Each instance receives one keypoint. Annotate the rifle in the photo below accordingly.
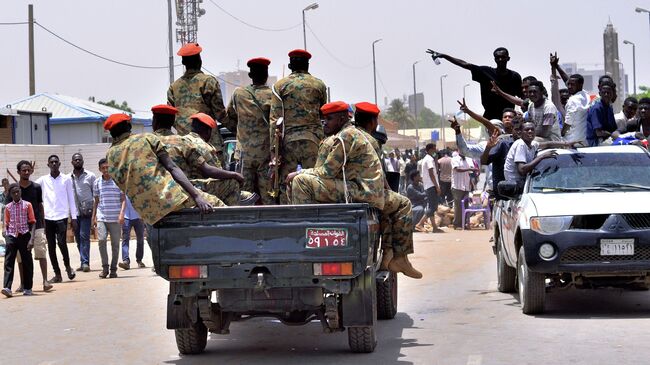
(276, 145)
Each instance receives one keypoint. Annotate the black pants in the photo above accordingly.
(56, 231)
(15, 245)
(445, 193)
(432, 201)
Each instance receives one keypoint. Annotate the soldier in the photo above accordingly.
(196, 92)
(194, 157)
(140, 165)
(248, 114)
(297, 98)
(397, 216)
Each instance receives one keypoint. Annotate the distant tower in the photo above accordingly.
(187, 20)
(612, 63)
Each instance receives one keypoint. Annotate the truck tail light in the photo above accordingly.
(188, 272)
(332, 268)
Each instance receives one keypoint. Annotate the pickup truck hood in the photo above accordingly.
(601, 202)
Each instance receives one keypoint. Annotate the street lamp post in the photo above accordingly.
(415, 111)
(304, 29)
(442, 112)
(633, 63)
(464, 114)
(642, 10)
(374, 69)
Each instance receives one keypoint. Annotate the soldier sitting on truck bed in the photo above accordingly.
(397, 216)
(347, 169)
(194, 156)
(140, 165)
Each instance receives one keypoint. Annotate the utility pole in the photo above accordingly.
(442, 111)
(415, 111)
(171, 41)
(32, 77)
(374, 69)
(304, 27)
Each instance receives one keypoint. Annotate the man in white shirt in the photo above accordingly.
(461, 166)
(630, 106)
(429, 173)
(575, 122)
(58, 204)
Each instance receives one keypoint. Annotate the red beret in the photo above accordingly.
(115, 119)
(164, 109)
(258, 61)
(300, 53)
(334, 107)
(189, 49)
(205, 119)
(366, 107)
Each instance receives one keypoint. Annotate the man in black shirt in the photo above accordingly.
(507, 80)
(31, 192)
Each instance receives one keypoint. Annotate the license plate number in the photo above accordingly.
(617, 247)
(326, 237)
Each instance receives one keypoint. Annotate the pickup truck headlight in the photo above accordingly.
(550, 225)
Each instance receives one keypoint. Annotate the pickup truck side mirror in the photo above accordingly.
(508, 189)
(380, 134)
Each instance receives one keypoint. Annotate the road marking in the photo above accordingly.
(474, 360)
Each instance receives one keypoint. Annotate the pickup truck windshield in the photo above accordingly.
(581, 171)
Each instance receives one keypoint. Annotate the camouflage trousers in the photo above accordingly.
(397, 223)
(303, 152)
(310, 189)
(256, 179)
(225, 190)
(213, 200)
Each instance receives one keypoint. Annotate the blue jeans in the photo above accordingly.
(82, 236)
(138, 225)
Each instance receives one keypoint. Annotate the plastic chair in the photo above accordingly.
(469, 206)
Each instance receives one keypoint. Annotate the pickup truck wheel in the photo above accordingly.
(532, 287)
(506, 275)
(191, 340)
(362, 339)
(387, 297)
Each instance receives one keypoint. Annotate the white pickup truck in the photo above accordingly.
(582, 220)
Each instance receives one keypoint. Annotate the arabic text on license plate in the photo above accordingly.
(326, 237)
(617, 247)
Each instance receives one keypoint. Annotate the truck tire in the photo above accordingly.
(532, 287)
(362, 339)
(506, 275)
(387, 297)
(191, 340)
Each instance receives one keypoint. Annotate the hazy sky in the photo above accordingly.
(136, 32)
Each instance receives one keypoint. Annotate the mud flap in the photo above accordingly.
(182, 311)
(359, 307)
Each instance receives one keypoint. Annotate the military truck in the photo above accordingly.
(298, 263)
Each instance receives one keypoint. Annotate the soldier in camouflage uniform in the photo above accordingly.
(141, 167)
(248, 114)
(397, 216)
(298, 98)
(196, 92)
(195, 158)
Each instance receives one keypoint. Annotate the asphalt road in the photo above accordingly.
(452, 316)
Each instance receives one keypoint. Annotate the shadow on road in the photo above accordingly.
(266, 340)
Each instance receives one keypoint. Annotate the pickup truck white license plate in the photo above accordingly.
(326, 237)
(616, 246)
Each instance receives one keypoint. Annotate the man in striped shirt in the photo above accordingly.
(106, 213)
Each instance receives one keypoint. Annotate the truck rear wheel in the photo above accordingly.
(191, 340)
(362, 339)
(506, 275)
(387, 297)
(532, 287)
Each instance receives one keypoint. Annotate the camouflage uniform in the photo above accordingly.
(134, 166)
(189, 155)
(301, 95)
(196, 92)
(248, 113)
(397, 216)
(324, 182)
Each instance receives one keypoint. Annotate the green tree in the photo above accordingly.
(399, 114)
(113, 104)
(428, 119)
(645, 92)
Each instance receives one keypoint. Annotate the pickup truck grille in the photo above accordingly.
(589, 254)
(638, 220)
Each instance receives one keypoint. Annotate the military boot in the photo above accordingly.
(402, 264)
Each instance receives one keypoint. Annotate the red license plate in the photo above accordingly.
(326, 237)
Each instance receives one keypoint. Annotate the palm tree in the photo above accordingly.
(399, 114)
